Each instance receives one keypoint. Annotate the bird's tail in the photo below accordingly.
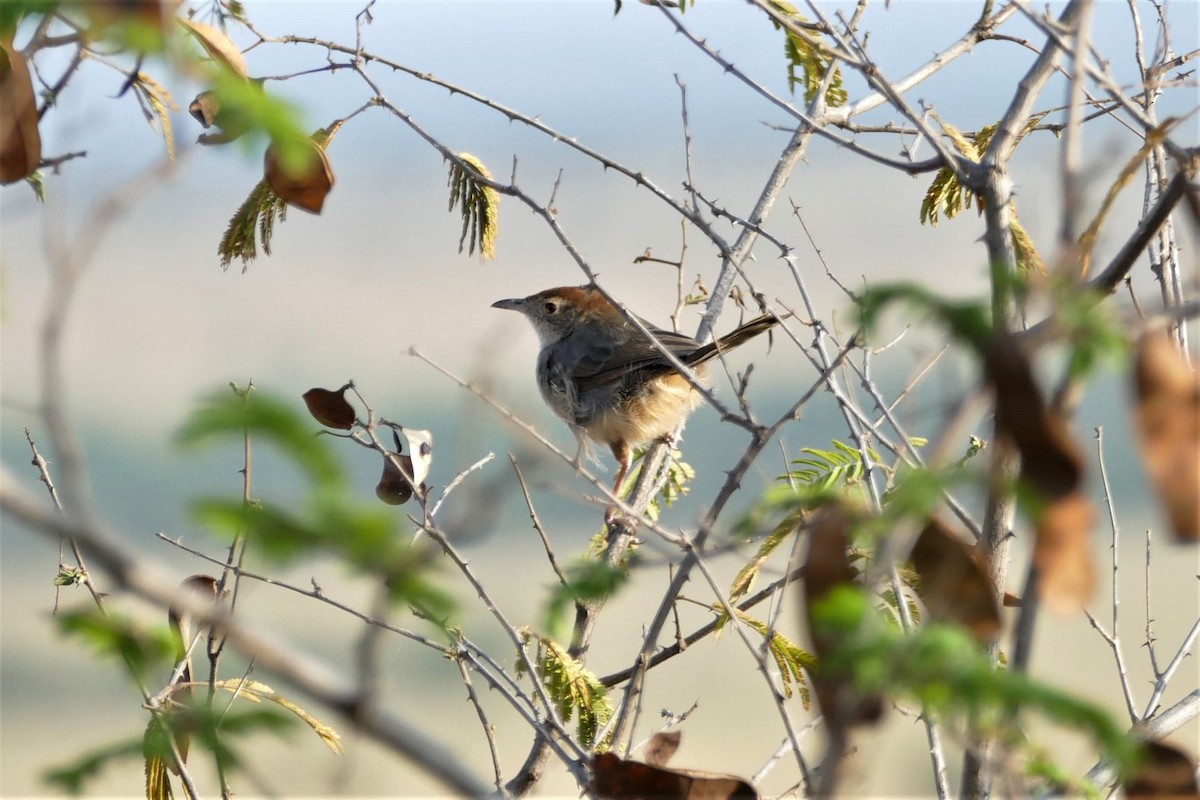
(734, 338)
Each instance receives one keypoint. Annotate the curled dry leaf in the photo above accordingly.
(420, 447)
(330, 408)
(661, 747)
(827, 568)
(1165, 772)
(620, 779)
(306, 188)
(1168, 422)
(218, 46)
(1062, 553)
(205, 108)
(954, 585)
(20, 141)
(1051, 468)
(393, 488)
(1050, 461)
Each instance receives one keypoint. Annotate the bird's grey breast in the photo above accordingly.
(584, 352)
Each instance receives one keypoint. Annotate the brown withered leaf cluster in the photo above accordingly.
(1052, 469)
(827, 568)
(305, 186)
(616, 778)
(1168, 425)
(954, 584)
(20, 142)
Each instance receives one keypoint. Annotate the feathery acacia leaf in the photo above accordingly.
(157, 103)
(575, 689)
(253, 224)
(806, 62)
(480, 206)
(791, 659)
(257, 692)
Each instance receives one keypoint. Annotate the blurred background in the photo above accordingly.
(156, 325)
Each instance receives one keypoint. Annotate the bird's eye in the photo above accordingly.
(550, 307)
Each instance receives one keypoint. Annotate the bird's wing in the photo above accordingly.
(607, 361)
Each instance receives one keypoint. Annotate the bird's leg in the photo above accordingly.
(624, 456)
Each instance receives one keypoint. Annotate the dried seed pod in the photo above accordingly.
(393, 488)
(306, 188)
(330, 408)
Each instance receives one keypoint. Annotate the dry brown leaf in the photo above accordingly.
(219, 46)
(1050, 461)
(1166, 772)
(1168, 421)
(954, 586)
(205, 108)
(305, 189)
(1051, 468)
(661, 747)
(619, 779)
(1062, 553)
(20, 141)
(828, 564)
(827, 568)
(330, 408)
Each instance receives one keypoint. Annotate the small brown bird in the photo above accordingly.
(605, 379)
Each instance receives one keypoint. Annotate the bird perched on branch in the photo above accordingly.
(606, 379)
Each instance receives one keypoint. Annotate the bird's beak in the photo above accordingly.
(515, 304)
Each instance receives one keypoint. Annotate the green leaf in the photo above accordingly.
(73, 777)
(227, 416)
(969, 322)
(480, 205)
(589, 580)
(13, 11)
(945, 669)
(256, 117)
(276, 534)
(112, 636)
